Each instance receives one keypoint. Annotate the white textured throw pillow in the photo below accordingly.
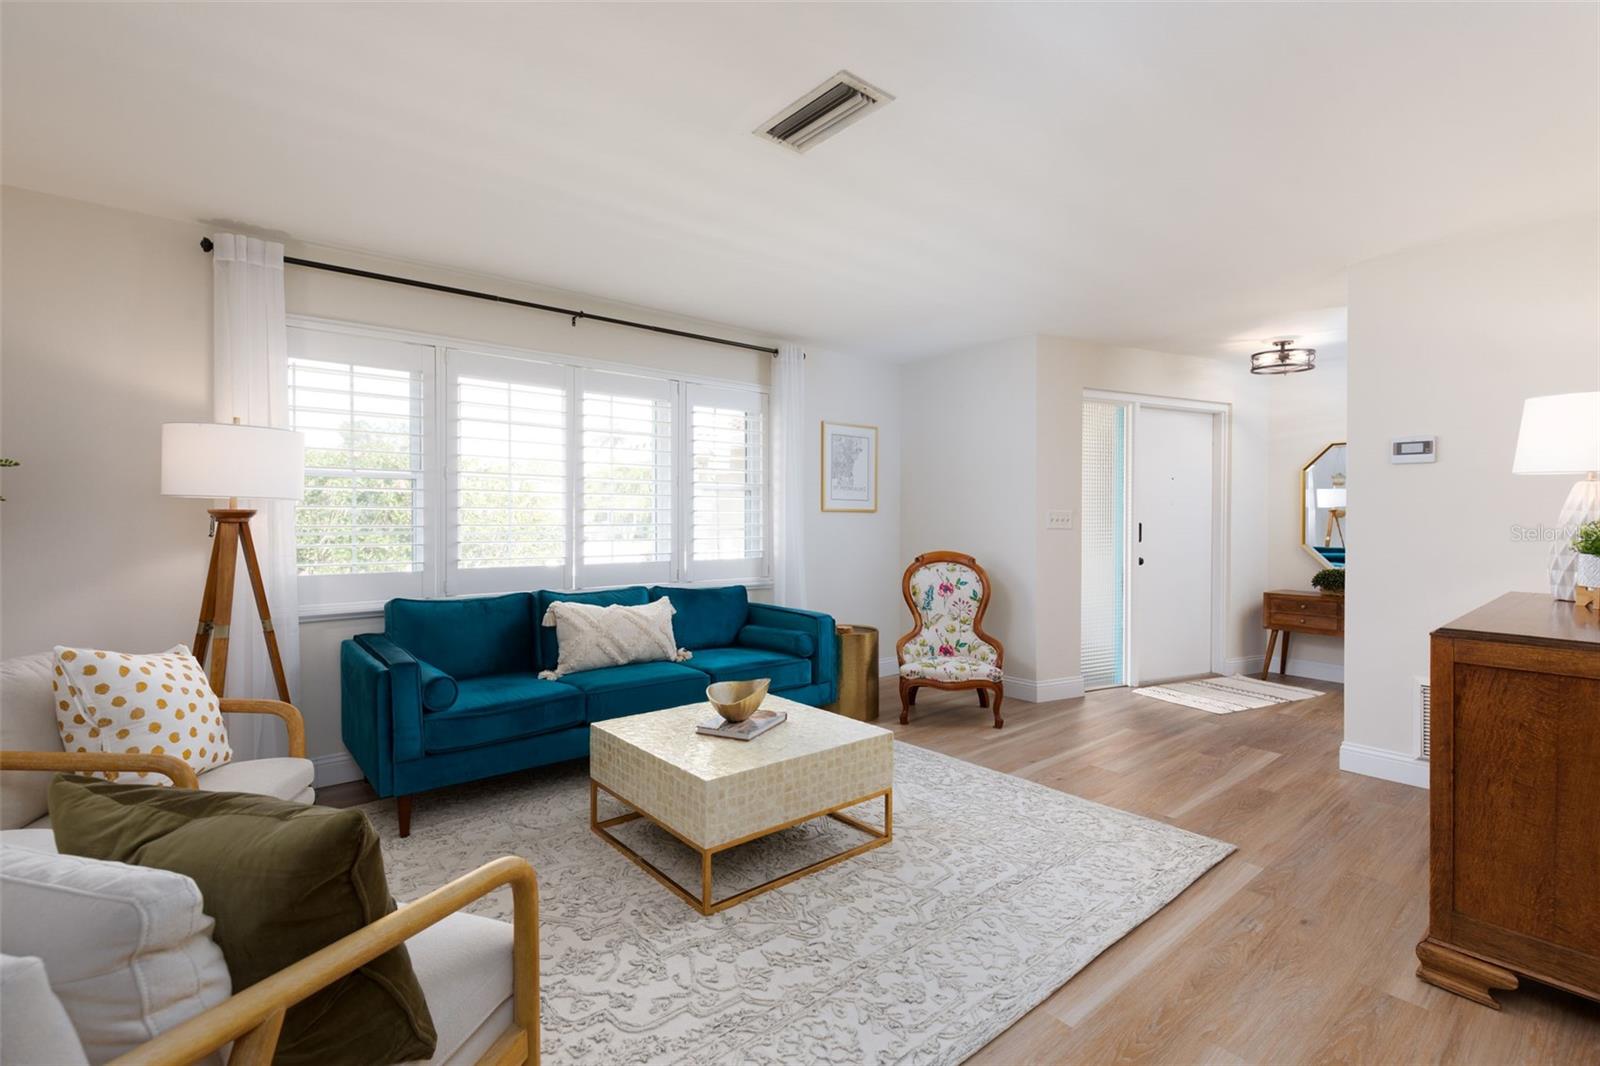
(34, 1027)
(143, 704)
(128, 949)
(590, 636)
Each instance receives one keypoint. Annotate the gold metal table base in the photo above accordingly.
(705, 903)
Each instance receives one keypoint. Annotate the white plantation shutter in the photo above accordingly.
(359, 531)
(1104, 525)
(625, 480)
(727, 484)
(507, 479)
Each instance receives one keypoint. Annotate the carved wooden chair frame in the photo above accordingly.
(988, 691)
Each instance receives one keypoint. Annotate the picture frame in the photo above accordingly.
(849, 469)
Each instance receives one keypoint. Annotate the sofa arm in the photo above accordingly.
(251, 1019)
(825, 660)
(401, 718)
(94, 762)
(293, 723)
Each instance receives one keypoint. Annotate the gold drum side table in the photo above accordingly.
(858, 673)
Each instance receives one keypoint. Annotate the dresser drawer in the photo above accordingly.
(1286, 619)
(1326, 606)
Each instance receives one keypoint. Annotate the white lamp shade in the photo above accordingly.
(1559, 434)
(1329, 499)
(215, 461)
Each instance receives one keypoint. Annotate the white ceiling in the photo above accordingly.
(1196, 178)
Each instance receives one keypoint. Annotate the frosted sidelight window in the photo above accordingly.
(1105, 539)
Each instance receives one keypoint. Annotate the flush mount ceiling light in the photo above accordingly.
(822, 112)
(1282, 359)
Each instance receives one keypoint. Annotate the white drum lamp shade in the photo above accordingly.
(211, 460)
(1561, 435)
(1330, 499)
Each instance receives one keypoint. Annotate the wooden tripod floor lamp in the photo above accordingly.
(209, 460)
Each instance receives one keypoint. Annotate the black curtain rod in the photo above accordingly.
(574, 315)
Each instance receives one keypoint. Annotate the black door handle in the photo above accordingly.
(1141, 560)
(1141, 533)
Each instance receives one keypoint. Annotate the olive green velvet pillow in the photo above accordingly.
(281, 880)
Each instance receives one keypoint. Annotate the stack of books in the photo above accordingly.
(750, 728)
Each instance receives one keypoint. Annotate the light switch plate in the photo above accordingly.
(1058, 520)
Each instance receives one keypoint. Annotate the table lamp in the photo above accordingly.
(208, 460)
(1332, 501)
(1561, 435)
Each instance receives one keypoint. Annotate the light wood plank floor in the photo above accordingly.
(1295, 949)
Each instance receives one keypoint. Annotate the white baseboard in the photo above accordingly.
(335, 769)
(1054, 688)
(1317, 671)
(1380, 762)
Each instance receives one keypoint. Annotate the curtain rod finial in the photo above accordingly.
(205, 244)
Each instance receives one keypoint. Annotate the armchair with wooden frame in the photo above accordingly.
(948, 594)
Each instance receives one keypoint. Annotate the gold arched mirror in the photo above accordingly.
(1322, 505)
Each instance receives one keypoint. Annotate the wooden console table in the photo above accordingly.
(1292, 611)
(1514, 867)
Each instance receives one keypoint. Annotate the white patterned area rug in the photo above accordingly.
(1225, 695)
(993, 892)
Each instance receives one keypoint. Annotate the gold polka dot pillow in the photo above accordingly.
(142, 704)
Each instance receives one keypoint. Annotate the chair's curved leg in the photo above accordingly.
(908, 696)
(983, 697)
(914, 690)
(999, 694)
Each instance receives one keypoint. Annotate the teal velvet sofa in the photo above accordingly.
(449, 692)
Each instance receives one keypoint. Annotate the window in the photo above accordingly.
(359, 401)
(625, 497)
(508, 478)
(727, 483)
(437, 470)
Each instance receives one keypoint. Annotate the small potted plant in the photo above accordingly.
(1586, 542)
(1329, 582)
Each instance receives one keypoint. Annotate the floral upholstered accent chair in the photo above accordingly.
(948, 593)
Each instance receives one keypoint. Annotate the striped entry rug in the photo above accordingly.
(1224, 695)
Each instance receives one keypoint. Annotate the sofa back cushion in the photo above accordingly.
(27, 723)
(706, 618)
(128, 950)
(469, 637)
(549, 645)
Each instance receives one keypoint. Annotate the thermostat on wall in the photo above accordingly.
(1414, 449)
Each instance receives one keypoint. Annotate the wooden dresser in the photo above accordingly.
(1291, 611)
(1515, 774)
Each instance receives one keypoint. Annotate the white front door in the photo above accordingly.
(1173, 498)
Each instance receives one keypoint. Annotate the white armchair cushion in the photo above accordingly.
(128, 949)
(27, 723)
(34, 1027)
(282, 778)
(954, 669)
(464, 966)
(144, 704)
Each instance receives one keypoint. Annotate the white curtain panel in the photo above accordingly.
(788, 475)
(251, 383)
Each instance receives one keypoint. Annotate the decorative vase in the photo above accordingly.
(1589, 570)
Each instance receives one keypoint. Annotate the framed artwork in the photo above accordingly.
(849, 467)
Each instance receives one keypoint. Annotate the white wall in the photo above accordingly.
(1447, 341)
(968, 480)
(1307, 412)
(107, 334)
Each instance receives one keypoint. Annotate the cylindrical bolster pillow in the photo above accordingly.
(439, 689)
(785, 641)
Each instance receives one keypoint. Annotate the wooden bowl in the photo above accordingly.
(738, 700)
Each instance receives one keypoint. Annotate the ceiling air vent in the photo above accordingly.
(822, 112)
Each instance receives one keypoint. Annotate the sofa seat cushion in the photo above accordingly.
(615, 691)
(464, 966)
(283, 778)
(747, 664)
(501, 707)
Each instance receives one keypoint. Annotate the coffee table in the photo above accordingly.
(713, 793)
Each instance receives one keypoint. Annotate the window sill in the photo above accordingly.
(343, 612)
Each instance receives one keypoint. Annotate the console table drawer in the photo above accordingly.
(1311, 623)
(1328, 606)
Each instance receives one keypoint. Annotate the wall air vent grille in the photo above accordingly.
(1425, 719)
(822, 112)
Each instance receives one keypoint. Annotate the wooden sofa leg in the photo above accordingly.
(999, 694)
(402, 807)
